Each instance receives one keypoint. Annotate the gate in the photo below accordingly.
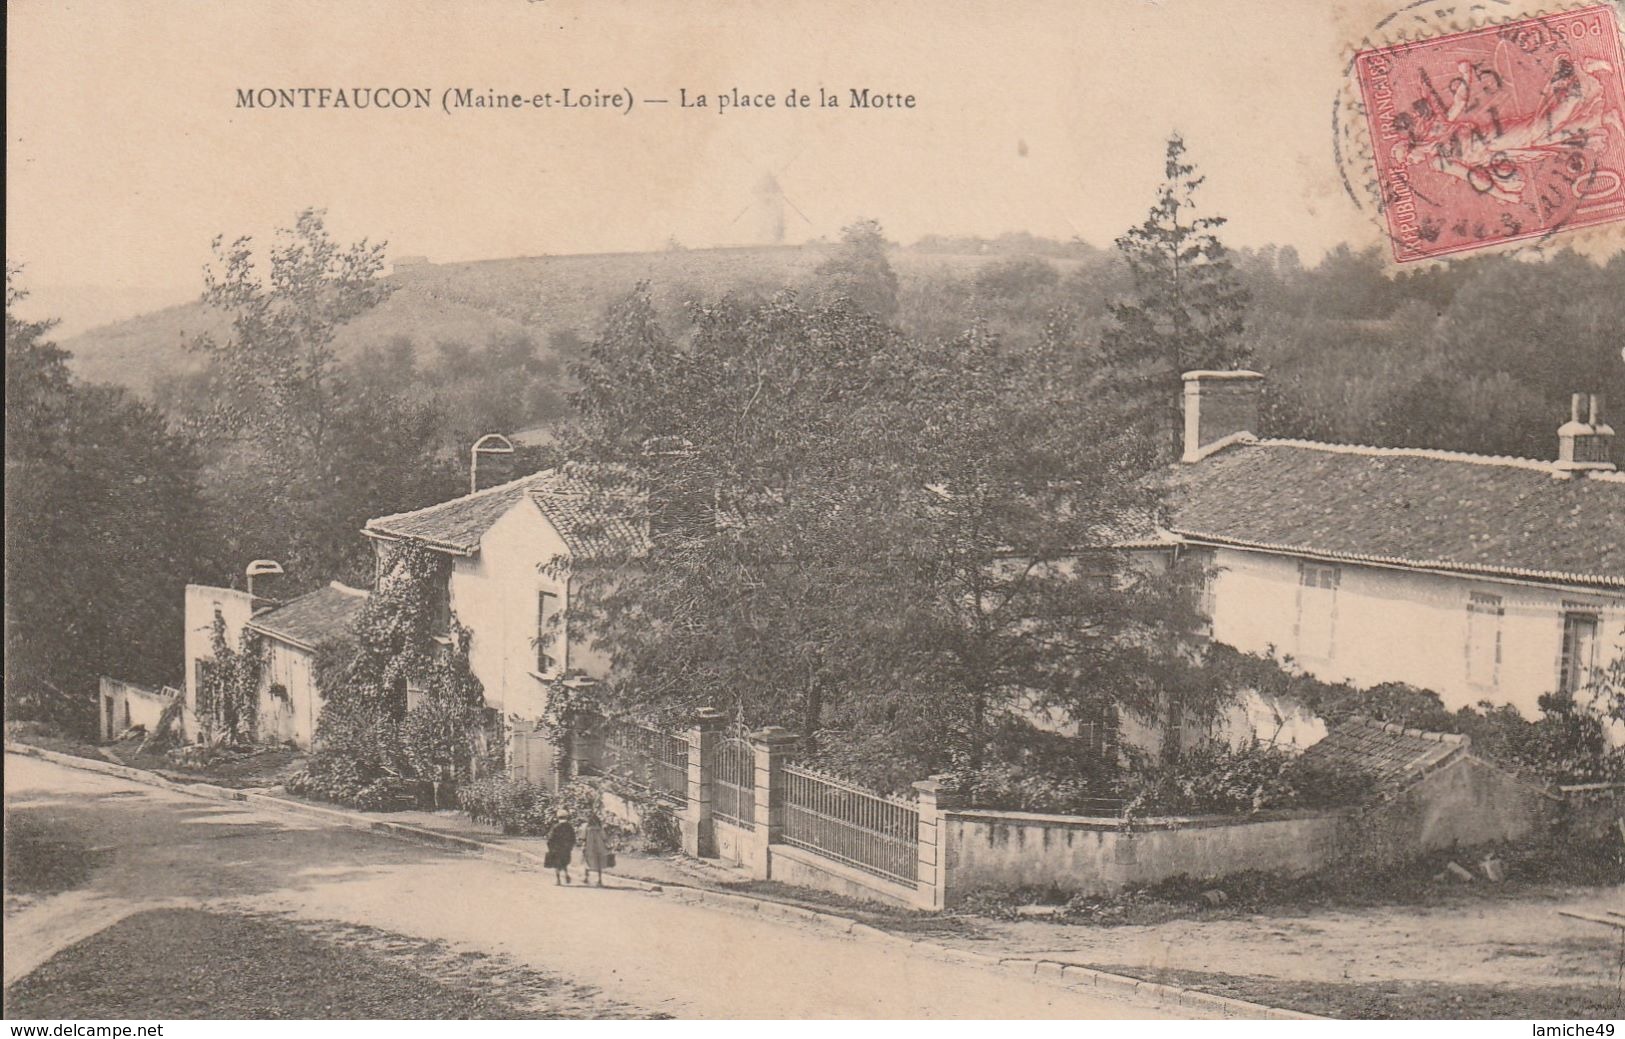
(733, 782)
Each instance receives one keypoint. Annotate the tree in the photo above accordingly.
(860, 272)
(103, 523)
(874, 539)
(302, 452)
(1188, 306)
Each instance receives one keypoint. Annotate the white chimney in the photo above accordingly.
(1219, 405)
(1585, 446)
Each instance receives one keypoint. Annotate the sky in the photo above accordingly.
(127, 154)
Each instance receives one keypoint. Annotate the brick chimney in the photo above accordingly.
(1588, 445)
(1218, 405)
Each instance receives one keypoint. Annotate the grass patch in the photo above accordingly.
(1402, 1000)
(40, 863)
(191, 964)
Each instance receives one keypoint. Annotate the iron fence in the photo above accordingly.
(863, 829)
(733, 783)
(642, 755)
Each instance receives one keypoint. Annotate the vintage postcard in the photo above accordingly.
(806, 510)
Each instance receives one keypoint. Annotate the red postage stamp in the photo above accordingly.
(1504, 133)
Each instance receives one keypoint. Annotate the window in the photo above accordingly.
(1484, 613)
(1579, 653)
(547, 632)
(1097, 730)
(1317, 610)
(440, 604)
(1207, 599)
(203, 671)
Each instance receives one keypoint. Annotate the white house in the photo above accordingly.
(508, 553)
(1481, 578)
(289, 636)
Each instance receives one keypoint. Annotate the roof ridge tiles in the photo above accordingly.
(1434, 454)
(484, 492)
(1428, 564)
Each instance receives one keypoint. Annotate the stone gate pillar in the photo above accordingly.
(934, 795)
(699, 839)
(774, 747)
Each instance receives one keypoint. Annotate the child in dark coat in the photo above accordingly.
(561, 844)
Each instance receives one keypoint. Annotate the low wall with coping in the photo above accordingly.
(1078, 855)
(791, 865)
(1460, 802)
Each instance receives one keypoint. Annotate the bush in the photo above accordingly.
(523, 809)
(1220, 781)
(515, 806)
(659, 826)
(23, 729)
(342, 783)
(1016, 789)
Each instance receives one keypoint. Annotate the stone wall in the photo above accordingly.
(1013, 850)
(1464, 803)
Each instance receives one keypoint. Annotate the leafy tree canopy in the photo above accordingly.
(873, 537)
(103, 523)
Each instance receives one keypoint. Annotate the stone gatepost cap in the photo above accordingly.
(774, 734)
(938, 784)
(710, 714)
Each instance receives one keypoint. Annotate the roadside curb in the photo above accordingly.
(1067, 975)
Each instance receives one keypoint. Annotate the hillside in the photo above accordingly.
(471, 302)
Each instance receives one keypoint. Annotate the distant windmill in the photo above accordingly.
(768, 218)
(766, 211)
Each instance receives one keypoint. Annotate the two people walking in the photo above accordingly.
(561, 844)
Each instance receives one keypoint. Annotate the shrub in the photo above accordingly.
(658, 826)
(1016, 789)
(517, 807)
(1217, 780)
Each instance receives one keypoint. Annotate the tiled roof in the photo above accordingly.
(458, 524)
(1431, 509)
(313, 619)
(593, 516)
(1396, 755)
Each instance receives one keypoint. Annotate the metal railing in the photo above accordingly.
(642, 755)
(733, 783)
(863, 829)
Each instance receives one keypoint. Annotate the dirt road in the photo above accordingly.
(120, 847)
